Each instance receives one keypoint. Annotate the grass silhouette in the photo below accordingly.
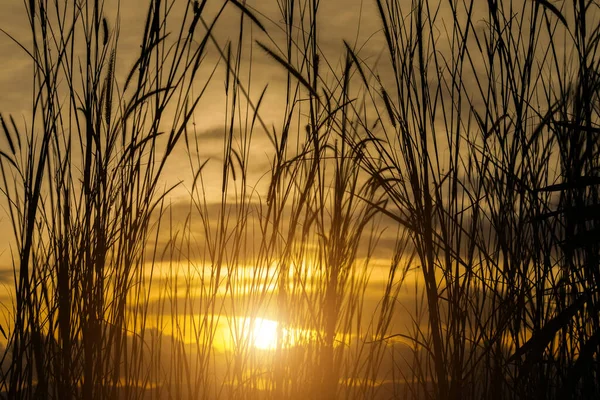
(473, 138)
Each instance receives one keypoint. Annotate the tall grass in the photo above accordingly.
(488, 156)
(471, 142)
(86, 179)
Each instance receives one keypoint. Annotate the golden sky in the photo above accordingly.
(355, 21)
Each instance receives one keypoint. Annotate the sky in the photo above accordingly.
(355, 21)
(352, 20)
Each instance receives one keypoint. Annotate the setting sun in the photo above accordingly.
(263, 333)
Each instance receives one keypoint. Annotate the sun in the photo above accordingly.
(263, 333)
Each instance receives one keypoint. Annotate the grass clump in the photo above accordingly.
(470, 144)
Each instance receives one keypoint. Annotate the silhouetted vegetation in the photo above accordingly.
(472, 141)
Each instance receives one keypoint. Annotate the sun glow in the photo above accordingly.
(263, 333)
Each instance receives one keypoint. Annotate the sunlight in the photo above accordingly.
(263, 333)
